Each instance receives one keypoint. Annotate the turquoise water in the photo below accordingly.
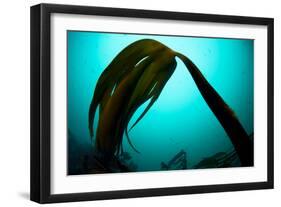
(180, 119)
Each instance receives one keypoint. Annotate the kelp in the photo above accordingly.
(178, 162)
(138, 74)
(218, 160)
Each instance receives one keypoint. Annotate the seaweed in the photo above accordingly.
(178, 162)
(218, 160)
(79, 155)
(138, 74)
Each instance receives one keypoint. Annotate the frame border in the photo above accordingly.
(40, 102)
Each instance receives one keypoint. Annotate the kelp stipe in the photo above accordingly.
(139, 73)
(238, 136)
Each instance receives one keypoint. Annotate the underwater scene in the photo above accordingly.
(138, 102)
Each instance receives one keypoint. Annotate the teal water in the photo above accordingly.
(180, 119)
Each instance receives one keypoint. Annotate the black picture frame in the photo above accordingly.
(41, 96)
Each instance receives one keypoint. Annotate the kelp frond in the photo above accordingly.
(138, 74)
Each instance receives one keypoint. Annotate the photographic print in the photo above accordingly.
(139, 102)
(132, 103)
